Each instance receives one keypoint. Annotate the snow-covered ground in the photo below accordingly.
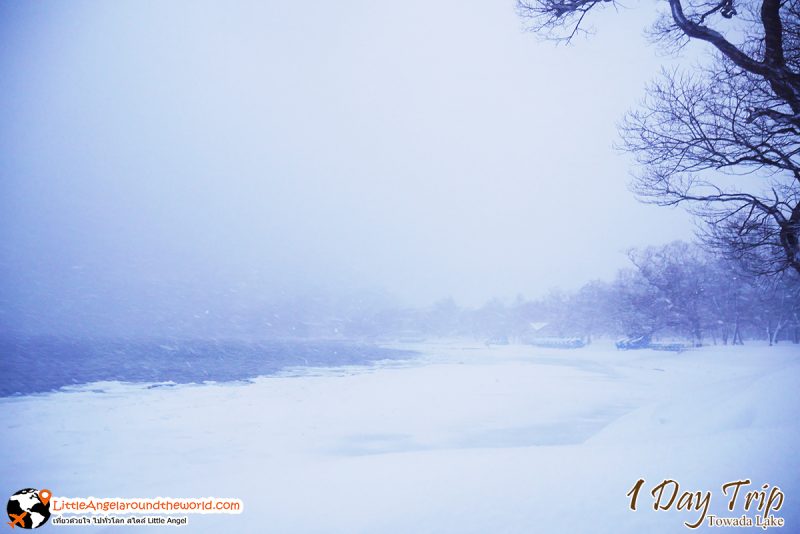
(465, 439)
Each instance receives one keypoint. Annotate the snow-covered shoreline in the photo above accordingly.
(464, 439)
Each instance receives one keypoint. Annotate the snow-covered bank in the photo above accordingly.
(466, 439)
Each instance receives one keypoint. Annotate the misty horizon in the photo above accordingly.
(164, 160)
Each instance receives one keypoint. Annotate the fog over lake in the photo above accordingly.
(207, 157)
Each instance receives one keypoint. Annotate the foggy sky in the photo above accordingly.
(251, 149)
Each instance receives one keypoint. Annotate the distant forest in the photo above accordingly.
(677, 291)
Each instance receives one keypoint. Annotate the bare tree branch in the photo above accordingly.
(723, 140)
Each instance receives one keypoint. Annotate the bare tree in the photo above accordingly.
(724, 138)
(636, 306)
(776, 304)
(679, 272)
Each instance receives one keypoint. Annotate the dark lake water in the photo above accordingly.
(36, 365)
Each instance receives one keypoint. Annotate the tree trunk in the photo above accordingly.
(737, 336)
(698, 336)
(778, 327)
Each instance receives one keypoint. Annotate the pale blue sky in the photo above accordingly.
(426, 148)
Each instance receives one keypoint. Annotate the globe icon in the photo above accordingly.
(26, 509)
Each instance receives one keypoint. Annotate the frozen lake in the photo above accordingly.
(463, 438)
(51, 363)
